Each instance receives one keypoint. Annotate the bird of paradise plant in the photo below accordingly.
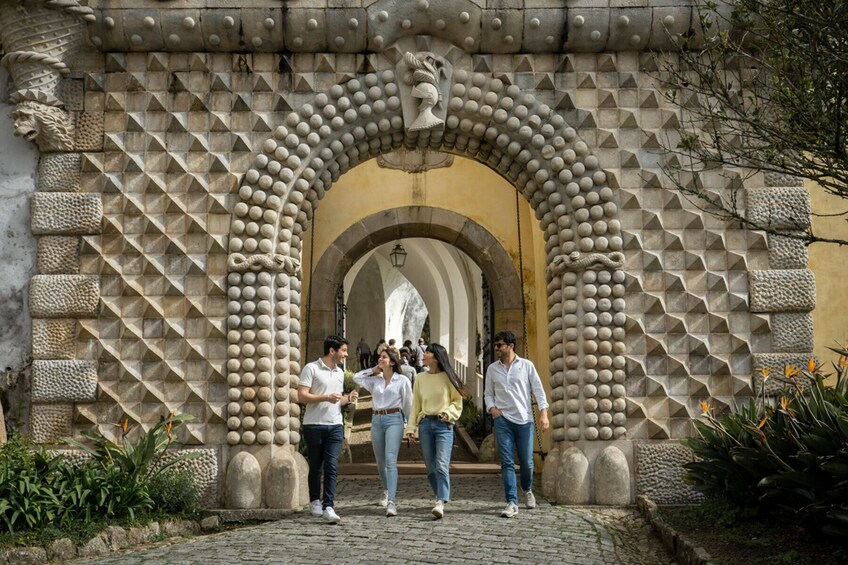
(139, 460)
(786, 458)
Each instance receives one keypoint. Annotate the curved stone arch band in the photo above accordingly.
(488, 121)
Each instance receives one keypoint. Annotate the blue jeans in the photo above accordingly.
(513, 437)
(386, 436)
(325, 445)
(436, 444)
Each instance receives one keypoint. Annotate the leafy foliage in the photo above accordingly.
(27, 497)
(788, 459)
(472, 419)
(763, 87)
(38, 490)
(174, 492)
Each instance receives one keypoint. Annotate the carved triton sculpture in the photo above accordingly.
(268, 261)
(424, 73)
(576, 261)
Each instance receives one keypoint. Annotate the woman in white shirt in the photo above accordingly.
(391, 394)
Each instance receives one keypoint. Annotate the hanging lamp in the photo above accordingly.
(398, 255)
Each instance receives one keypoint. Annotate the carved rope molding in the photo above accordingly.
(40, 37)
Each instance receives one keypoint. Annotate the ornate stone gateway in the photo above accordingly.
(184, 153)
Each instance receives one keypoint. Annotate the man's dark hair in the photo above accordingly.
(507, 337)
(333, 342)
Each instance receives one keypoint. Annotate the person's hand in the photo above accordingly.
(495, 412)
(410, 437)
(444, 418)
(334, 398)
(353, 396)
(544, 423)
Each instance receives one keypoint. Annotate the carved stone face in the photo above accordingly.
(26, 123)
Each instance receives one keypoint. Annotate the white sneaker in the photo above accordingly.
(315, 508)
(510, 510)
(331, 516)
(391, 508)
(385, 500)
(439, 509)
(530, 499)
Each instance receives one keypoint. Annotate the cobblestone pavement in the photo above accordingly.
(472, 531)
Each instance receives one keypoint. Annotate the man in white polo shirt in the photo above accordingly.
(321, 388)
(509, 382)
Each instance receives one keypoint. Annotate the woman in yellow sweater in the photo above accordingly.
(436, 406)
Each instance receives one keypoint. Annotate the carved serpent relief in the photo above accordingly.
(576, 261)
(268, 261)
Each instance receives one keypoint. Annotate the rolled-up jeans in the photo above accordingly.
(386, 437)
(436, 444)
(325, 445)
(512, 437)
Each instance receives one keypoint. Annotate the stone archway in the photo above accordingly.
(414, 221)
(486, 120)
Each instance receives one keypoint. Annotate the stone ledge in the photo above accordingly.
(683, 549)
(110, 540)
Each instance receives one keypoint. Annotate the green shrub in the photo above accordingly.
(349, 383)
(38, 490)
(174, 492)
(129, 467)
(788, 458)
(472, 419)
(27, 497)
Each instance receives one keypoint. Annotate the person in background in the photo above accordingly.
(406, 367)
(321, 388)
(422, 347)
(381, 345)
(391, 393)
(393, 346)
(509, 382)
(364, 354)
(436, 406)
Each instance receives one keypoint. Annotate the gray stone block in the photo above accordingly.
(792, 331)
(659, 472)
(64, 296)
(785, 208)
(64, 381)
(787, 253)
(786, 290)
(61, 213)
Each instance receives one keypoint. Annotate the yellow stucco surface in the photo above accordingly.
(466, 188)
(829, 262)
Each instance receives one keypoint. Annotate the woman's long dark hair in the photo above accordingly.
(441, 356)
(393, 360)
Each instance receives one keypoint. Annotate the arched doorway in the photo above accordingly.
(492, 123)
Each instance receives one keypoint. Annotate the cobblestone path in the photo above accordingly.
(471, 532)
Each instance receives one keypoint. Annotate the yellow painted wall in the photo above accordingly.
(830, 264)
(466, 188)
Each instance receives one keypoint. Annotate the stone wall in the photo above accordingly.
(180, 172)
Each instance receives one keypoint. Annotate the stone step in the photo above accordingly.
(370, 469)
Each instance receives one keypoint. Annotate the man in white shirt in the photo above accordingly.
(321, 388)
(509, 383)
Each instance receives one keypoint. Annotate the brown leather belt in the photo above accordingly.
(388, 411)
